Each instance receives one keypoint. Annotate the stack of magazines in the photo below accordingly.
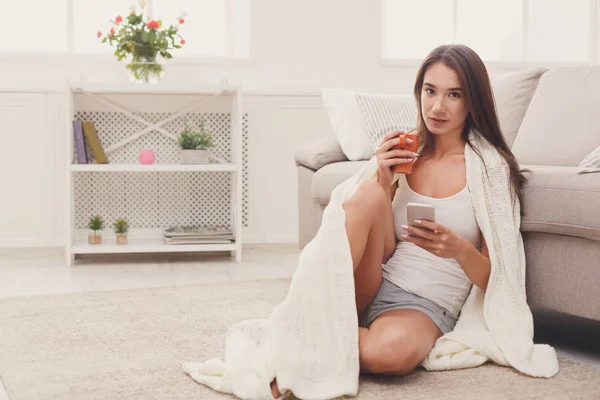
(198, 235)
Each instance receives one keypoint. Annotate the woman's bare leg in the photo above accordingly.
(397, 342)
(274, 389)
(369, 223)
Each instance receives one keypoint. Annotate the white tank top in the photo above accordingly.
(441, 280)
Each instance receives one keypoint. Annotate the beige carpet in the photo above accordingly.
(131, 344)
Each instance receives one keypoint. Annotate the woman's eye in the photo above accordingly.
(455, 95)
(429, 91)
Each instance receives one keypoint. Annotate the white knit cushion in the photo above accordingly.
(387, 113)
(591, 163)
(360, 120)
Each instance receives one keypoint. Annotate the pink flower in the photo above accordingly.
(118, 20)
(182, 41)
(99, 34)
(112, 30)
(181, 21)
(153, 24)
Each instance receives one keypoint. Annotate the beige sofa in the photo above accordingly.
(554, 123)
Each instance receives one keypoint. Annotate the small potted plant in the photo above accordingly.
(195, 144)
(96, 225)
(121, 227)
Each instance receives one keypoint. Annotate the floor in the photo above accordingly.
(39, 272)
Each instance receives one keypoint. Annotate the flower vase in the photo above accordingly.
(144, 69)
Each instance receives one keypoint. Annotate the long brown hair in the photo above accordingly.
(482, 117)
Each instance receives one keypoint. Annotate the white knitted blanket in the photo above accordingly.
(310, 341)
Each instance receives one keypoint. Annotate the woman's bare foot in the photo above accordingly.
(274, 389)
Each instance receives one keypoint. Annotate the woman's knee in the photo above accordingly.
(368, 198)
(389, 356)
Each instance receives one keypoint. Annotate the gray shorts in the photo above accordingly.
(391, 297)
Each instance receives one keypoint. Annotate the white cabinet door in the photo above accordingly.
(28, 211)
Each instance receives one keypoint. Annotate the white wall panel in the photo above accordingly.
(27, 172)
(291, 122)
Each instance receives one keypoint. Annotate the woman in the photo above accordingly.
(410, 289)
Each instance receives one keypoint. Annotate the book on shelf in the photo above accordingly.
(80, 143)
(198, 235)
(94, 141)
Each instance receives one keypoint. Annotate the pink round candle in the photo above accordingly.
(147, 157)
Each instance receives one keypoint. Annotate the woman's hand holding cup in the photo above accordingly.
(388, 154)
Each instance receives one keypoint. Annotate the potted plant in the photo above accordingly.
(143, 40)
(96, 224)
(121, 227)
(195, 144)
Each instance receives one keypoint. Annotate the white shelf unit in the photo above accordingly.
(151, 240)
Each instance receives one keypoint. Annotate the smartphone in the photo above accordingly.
(419, 211)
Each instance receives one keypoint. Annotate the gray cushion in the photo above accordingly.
(561, 201)
(512, 94)
(319, 152)
(331, 175)
(562, 123)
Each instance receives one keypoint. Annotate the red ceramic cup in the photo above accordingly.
(406, 168)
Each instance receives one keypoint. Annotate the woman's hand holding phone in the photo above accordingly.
(436, 239)
(388, 157)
